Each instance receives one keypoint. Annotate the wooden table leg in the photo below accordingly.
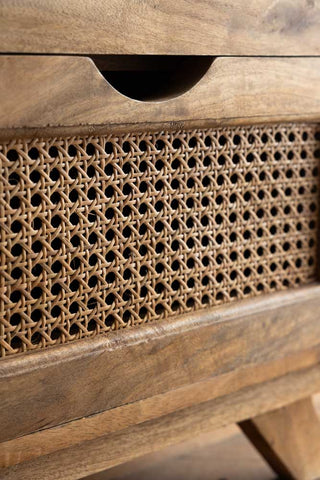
(288, 439)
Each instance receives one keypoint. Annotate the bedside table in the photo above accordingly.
(159, 219)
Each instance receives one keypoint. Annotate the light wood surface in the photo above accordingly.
(104, 373)
(128, 443)
(289, 439)
(223, 454)
(204, 27)
(70, 434)
(69, 95)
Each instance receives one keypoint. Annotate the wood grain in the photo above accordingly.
(288, 439)
(65, 95)
(119, 447)
(74, 381)
(207, 455)
(205, 27)
(46, 441)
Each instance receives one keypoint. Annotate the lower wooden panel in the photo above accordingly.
(50, 440)
(45, 389)
(112, 449)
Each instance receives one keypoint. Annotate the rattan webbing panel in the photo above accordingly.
(99, 233)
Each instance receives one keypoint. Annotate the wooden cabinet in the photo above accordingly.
(159, 222)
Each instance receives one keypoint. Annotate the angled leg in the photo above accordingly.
(288, 439)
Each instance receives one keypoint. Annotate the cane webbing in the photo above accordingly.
(104, 232)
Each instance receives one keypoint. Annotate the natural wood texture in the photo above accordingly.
(235, 27)
(207, 457)
(289, 439)
(82, 408)
(70, 94)
(78, 380)
(50, 440)
(119, 447)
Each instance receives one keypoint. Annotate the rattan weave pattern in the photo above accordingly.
(104, 232)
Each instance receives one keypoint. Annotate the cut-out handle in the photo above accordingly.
(152, 77)
(59, 92)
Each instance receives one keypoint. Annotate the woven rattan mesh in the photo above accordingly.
(99, 233)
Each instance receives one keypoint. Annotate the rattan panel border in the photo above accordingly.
(105, 232)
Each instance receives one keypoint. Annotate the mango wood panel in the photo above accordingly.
(69, 93)
(50, 440)
(119, 447)
(201, 27)
(45, 389)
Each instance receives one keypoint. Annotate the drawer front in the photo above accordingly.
(60, 95)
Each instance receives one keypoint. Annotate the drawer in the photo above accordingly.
(173, 237)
